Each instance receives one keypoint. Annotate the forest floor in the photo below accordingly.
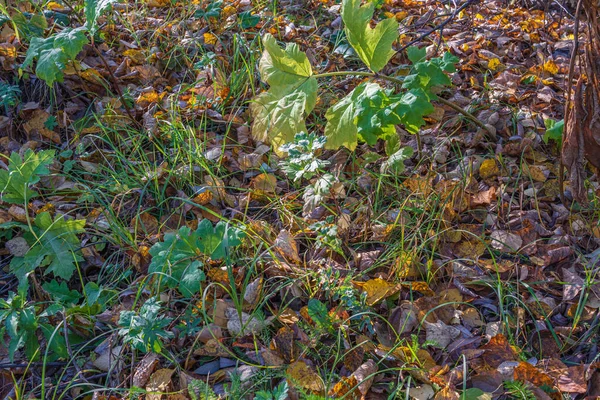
(152, 247)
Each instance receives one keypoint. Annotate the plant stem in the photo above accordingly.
(343, 73)
(468, 115)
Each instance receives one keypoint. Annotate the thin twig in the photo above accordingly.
(438, 27)
(69, 351)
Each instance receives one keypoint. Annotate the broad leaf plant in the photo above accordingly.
(369, 112)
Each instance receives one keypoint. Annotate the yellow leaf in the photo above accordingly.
(489, 168)
(401, 15)
(136, 56)
(147, 98)
(159, 3)
(209, 38)
(494, 63)
(479, 17)
(551, 67)
(305, 377)
(470, 249)
(8, 50)
(265, 183)
(91, 75)
(228, 11)
(54, 6)
(377, 290)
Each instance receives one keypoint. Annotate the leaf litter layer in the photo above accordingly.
(152, 245)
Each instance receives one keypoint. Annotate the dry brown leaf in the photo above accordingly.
(364, 376)
(159, 383)
(300, 374)
(527, 372)
(286, 246)
(346, 388)
(144, 369)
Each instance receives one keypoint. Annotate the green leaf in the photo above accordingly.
(213, 9)
(54, 244)
(248, 20)
(319, 313)
(175, 256)
(54, 52)
(429, 74)
(93, 9)
(302, 161)
(71, 41)
(279, 113)
(277, 119)
(415, 54)
(50, 66)
(61, 292)
(145, 329)
(216, 241)
(409, 110)
(341, 128)
(372, 116)
(22, 173)
(175, 259)
(373, 46)
(283, 68)
(395, 163)
(554, 130)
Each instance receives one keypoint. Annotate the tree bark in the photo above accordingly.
(582, 110)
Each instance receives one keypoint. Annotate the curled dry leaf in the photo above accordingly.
(144, 369)
(364, 376)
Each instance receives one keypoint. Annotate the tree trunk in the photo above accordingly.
(582, 111)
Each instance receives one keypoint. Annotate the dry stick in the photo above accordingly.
(574, 50)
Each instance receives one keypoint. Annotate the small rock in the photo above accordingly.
(18, 213)
(18, 246)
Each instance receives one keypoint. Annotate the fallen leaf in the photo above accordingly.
(377, 289)
(440, 333)
(159, 383)
(300, 374)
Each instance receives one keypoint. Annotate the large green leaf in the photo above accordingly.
(54, 244)
(429, 74)
(216, 241)
(71, 41)
(22, 173)
(54, 52)
(372, 116)
(175, 259)
(373, 46)
(278, 119)
(409, 110)
(341, 128)
(282, 68)
(279, 113)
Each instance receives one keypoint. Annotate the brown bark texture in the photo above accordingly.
(582, 113)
